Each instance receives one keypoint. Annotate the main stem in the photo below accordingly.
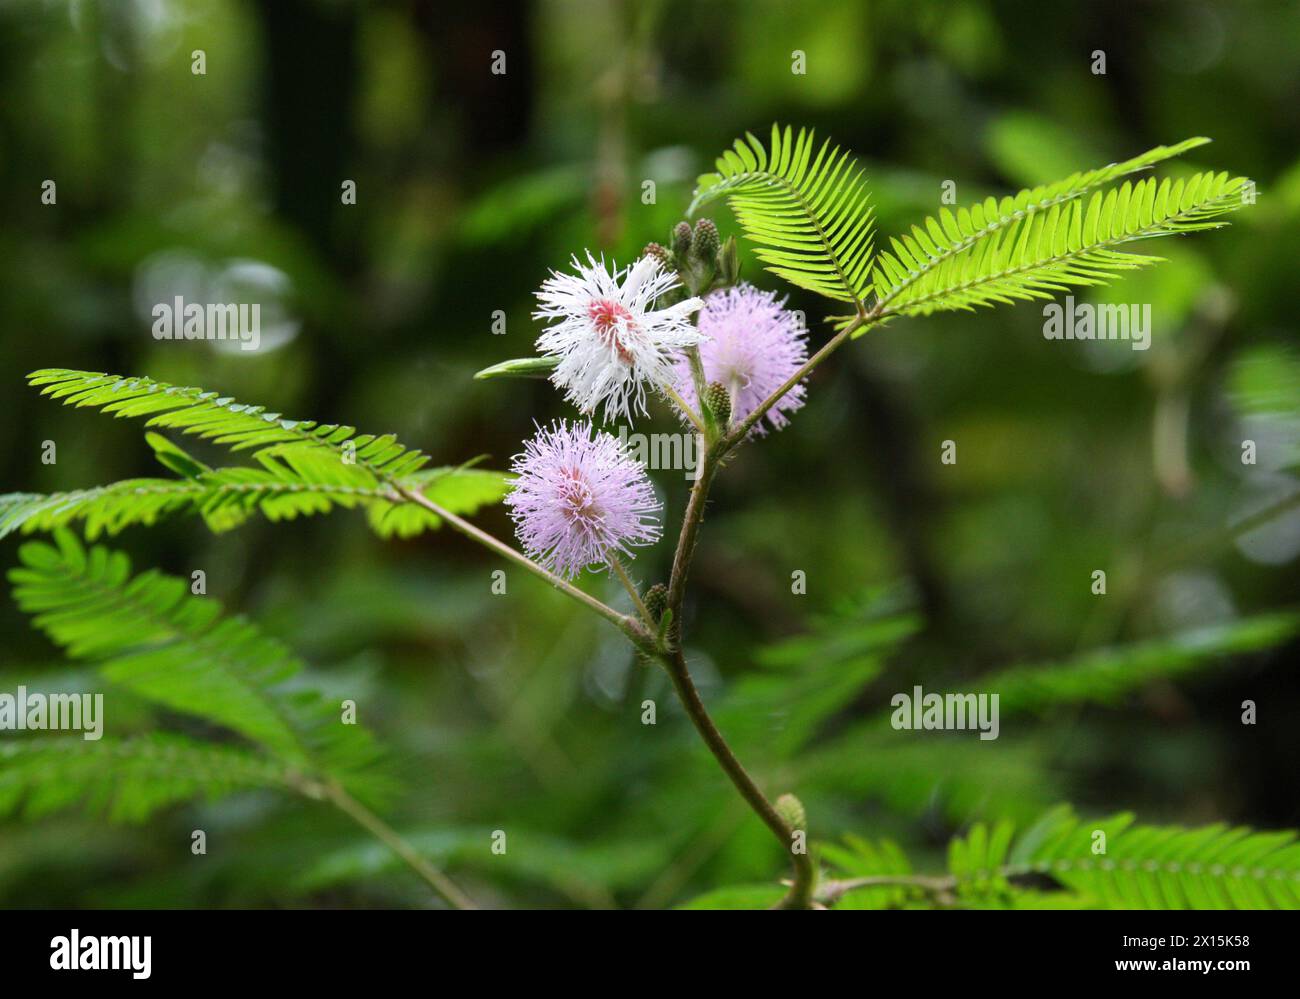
(800, 894)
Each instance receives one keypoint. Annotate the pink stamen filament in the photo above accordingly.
(611, 318)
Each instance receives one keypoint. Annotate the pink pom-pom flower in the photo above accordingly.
(754, 345)
(580, 499)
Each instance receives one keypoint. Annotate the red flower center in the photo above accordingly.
(612, 321)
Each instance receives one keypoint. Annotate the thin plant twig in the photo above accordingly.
(376, 826)
(617, 566)
(742, 428)
(623, 622)
(690, 413)
(940, 885)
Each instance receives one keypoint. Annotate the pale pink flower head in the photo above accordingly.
(580, 499)
(609, 338)
(754, 346)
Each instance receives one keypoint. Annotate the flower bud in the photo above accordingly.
(660, 253)
(791, 811)
(681, 239)
(705, 242)
(656, 599)
(718, 401)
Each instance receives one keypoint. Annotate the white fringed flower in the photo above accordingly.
(610, 340)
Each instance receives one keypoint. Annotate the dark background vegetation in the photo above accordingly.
(519, 712)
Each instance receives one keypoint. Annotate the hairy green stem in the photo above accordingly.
(690, 532)
(616, 564)
(689, 413)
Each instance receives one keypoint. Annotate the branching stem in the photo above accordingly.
(801, 893)
(616, 565)
(742, 429)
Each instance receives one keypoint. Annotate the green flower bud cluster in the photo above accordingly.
(699, 255)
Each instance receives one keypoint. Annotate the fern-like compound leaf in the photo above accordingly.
(1063, 861)
(227, 497)
(1119, 864)
(303, 468)
(935, 241)
(147, 634)
(806, 207)
(125, 779)
(1047, 240)
(223, 420)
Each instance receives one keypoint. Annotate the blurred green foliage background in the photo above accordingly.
(518, 712)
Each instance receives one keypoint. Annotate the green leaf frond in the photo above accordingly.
(807, 208)
(224, 420)
(1062, 861)
(1105, 675)
(147, 634)
(125, 779)
(302, 469)
(936, 241)
(227, 497)
(1048, 239)
(1157, 867)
